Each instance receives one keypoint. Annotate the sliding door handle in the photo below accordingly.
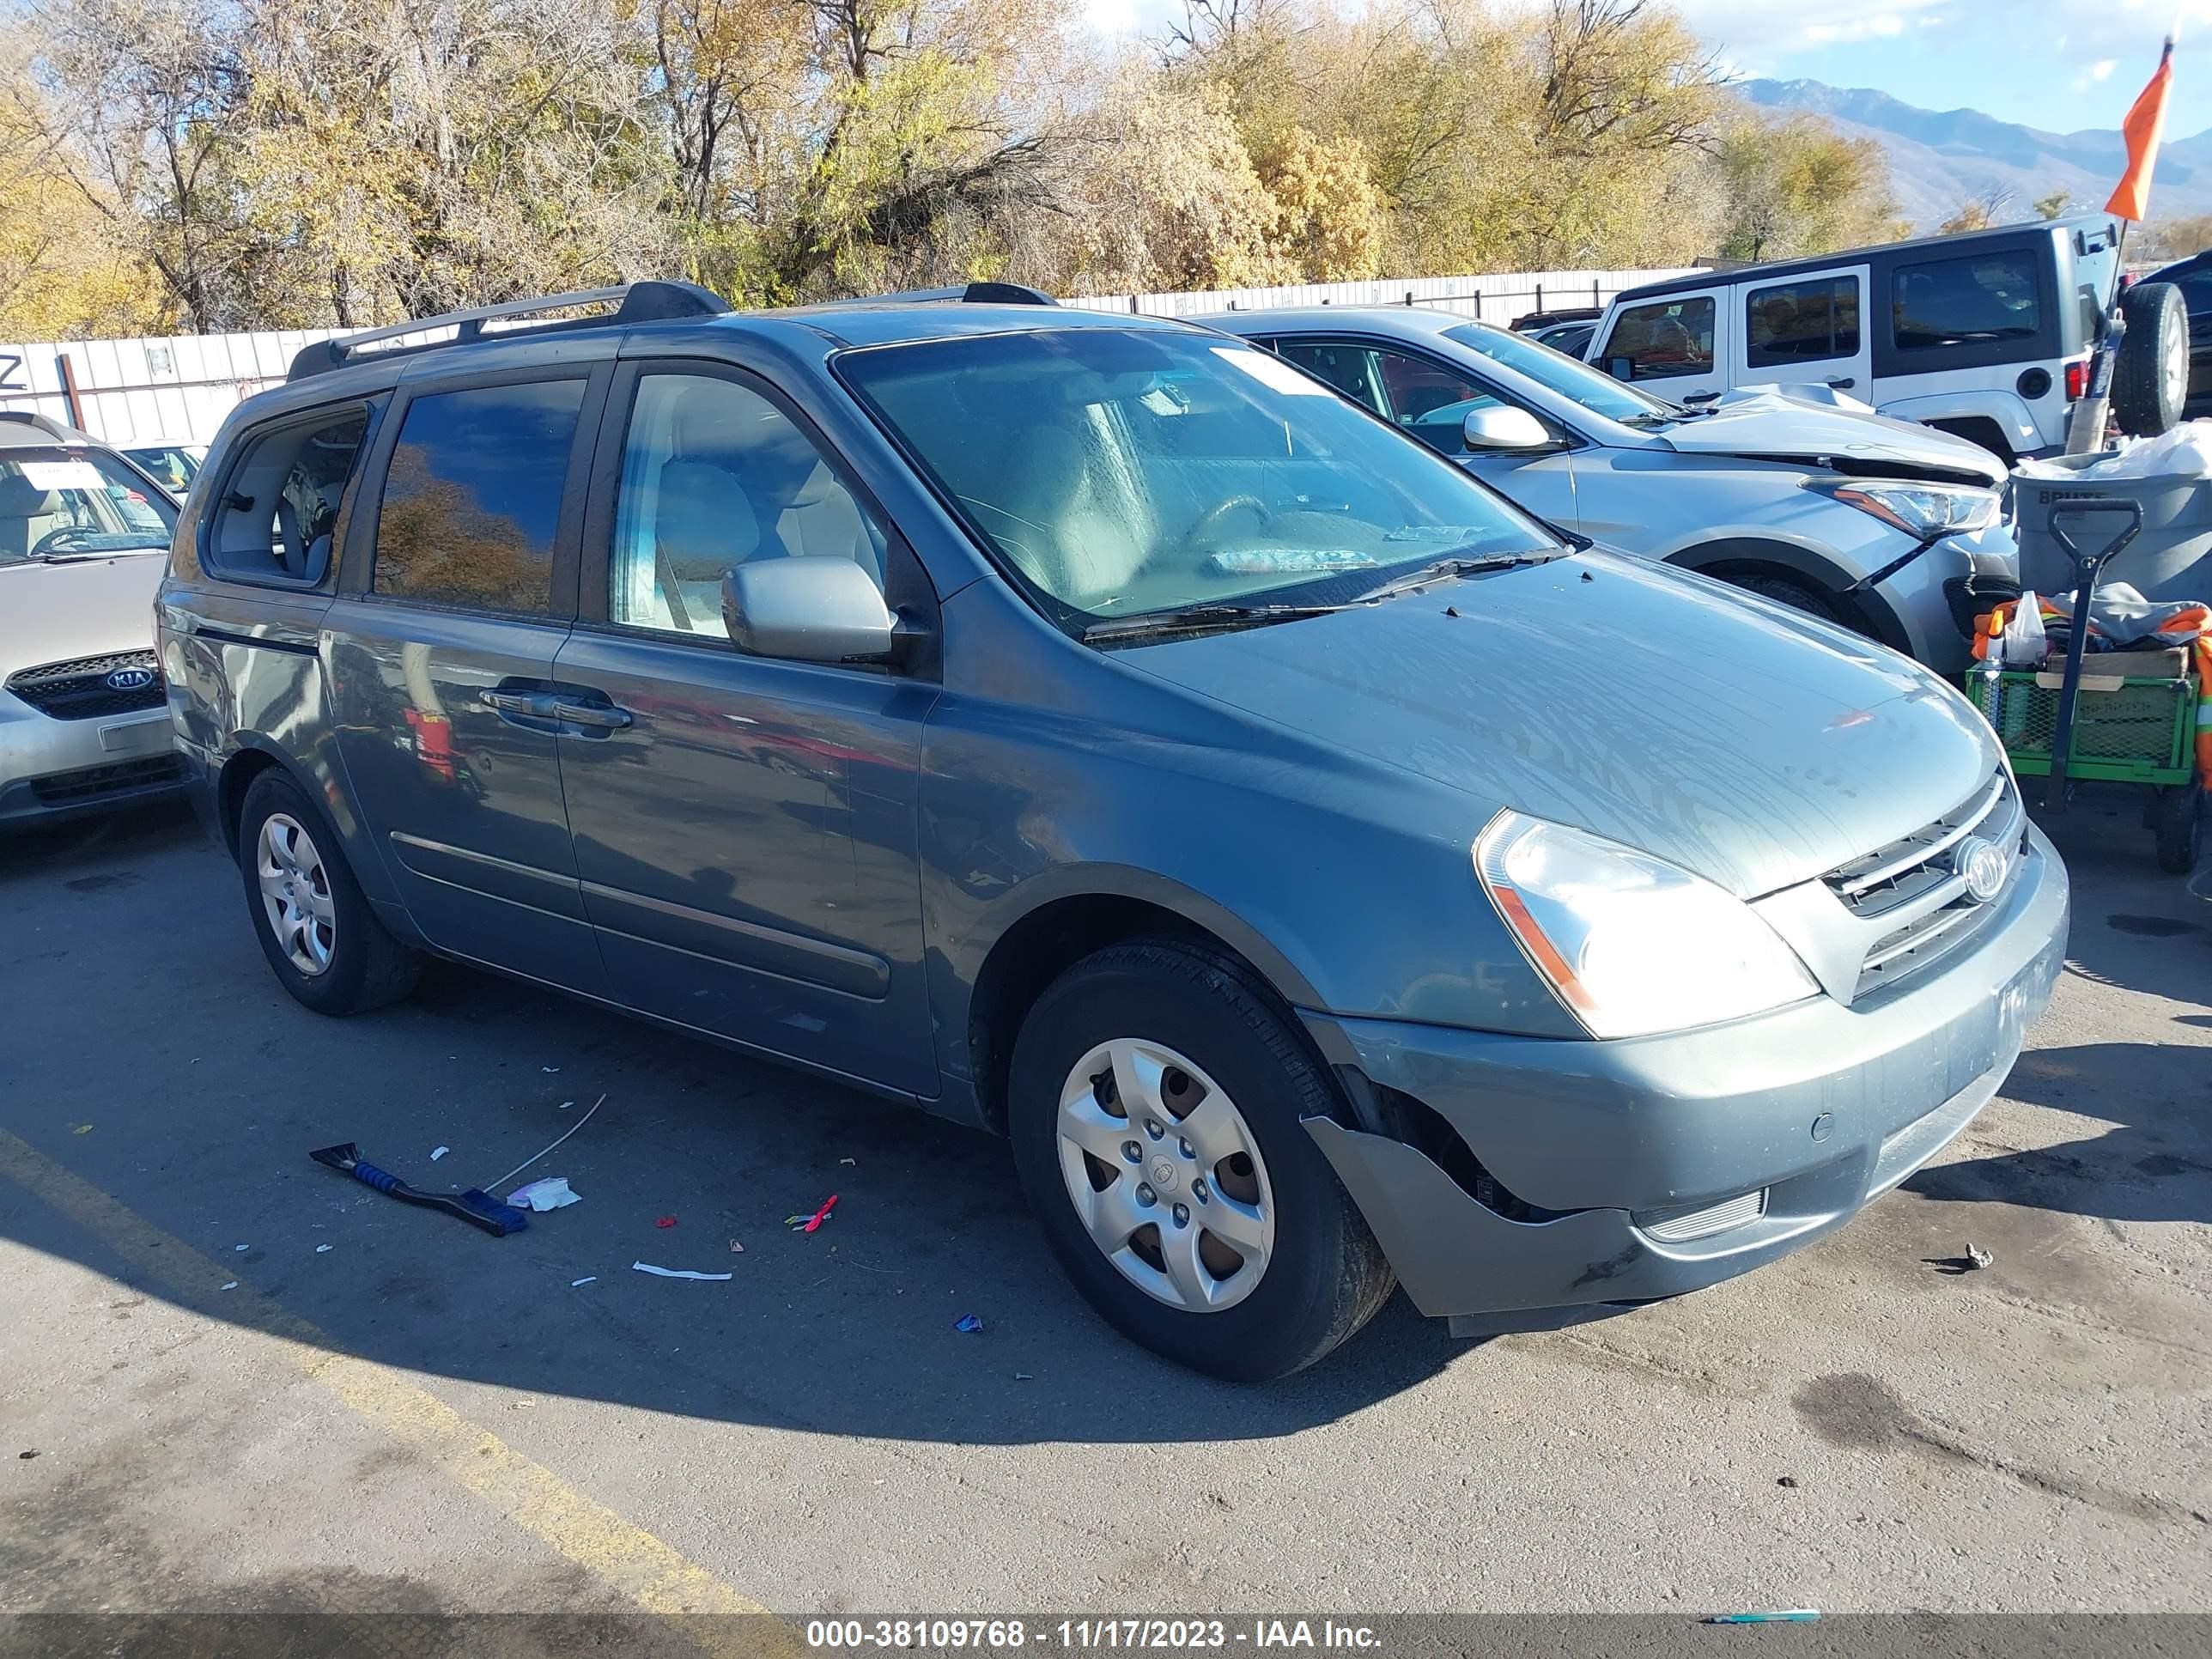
(599, 716)
(528, 705)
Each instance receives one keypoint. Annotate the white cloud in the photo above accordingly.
(1882, 25)
(2103, 68)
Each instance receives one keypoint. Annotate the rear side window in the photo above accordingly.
(472, 500)
(279, 509)
(1796, 322)
(1973, 300)
(1665, 338)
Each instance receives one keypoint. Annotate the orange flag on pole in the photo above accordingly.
(2144, 126)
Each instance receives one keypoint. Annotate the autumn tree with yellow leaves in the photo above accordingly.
(223, 164)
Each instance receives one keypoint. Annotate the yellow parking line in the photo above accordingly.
(654, 1577)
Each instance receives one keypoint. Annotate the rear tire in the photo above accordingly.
(2150, 380)
(2177, 816)
(323, 940)
(1322, 1274)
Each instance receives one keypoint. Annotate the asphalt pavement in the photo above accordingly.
(234, 1380)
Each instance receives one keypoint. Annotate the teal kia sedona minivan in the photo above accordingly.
(1092, 730)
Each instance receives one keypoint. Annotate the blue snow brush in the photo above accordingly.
(476, 1207)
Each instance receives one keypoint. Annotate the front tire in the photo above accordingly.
(323, 941)
(1797, 596)
(1155, 1103)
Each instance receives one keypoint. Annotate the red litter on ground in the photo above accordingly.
(807, 1224)
(665, 1221)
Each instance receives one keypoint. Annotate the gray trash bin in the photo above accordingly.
(2171, 557)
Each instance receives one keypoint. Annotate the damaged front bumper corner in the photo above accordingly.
(1645, 1169)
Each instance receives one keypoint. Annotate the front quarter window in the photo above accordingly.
(64, 503)
(1122, 472)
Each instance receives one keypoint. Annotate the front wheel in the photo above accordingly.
(1155, 1102)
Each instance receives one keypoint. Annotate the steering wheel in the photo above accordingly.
(1210, 520)
(66, 535)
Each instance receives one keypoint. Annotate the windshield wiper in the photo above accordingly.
(1462, 565)
(1200, 619)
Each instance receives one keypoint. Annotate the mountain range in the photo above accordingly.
(1940, 158)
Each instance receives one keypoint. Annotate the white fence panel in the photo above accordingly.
(180, 390)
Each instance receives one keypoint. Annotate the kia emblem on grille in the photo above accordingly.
(131, 679)
(1981, 865)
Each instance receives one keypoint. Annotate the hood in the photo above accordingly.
(1768, 424)
(79, 608)
(1753, 746)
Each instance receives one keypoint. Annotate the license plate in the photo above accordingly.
(147, 735)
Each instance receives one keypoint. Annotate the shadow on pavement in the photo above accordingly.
(2157, 1167)
(154, 1056)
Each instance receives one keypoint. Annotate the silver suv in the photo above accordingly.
(84, 722)
(1092, 730)
(1890, 528)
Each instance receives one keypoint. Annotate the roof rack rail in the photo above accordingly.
(632, 303)
(974, 294)
(46, 423)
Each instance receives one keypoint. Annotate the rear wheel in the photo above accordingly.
(2177, 816)
(314, 924)
(2150, 379)
(1155, 1102)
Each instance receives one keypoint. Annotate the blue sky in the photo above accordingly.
(2057, 65)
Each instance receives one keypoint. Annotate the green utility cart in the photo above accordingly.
(2135, 721)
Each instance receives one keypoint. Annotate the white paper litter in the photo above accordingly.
(588, 1278)
(671, 1273)
(551, 1194)
(232, 1285)
(321, 1249)
(437, 1152)
(241, 1248)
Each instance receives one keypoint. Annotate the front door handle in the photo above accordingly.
(599, 716)
(527, 705)
(1843, 383)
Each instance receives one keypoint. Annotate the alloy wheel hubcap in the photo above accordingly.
(295, 894)
(1165, 1175)
(2177, 371)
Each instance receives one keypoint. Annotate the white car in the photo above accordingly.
(84, 538)
(1987, 335)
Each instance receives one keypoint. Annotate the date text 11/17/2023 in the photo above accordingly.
(931, 1636)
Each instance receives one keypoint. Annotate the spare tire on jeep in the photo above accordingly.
(2150, 380)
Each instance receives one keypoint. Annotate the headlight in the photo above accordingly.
(1630, 943)
(1924, 510)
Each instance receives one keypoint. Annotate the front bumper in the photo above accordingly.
(1818, 1107)
(51, 769)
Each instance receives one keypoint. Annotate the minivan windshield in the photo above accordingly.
(64, 503)
(1599, 393)
(1126, 472)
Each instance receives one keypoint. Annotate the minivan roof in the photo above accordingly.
(879, 319)
(1964, 240)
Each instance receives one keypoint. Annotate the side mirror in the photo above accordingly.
(1499, 426)
(1621, 368)
(817, 609)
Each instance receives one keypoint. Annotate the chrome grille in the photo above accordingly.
(78, 690)
(1913, 883)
